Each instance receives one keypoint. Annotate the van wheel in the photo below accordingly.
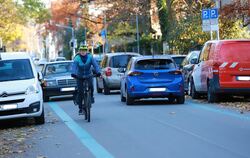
(194, 94)
(40, 119)
(211, 95)
(180, 99)
(129, 100)
(99, 90)
(106, 89)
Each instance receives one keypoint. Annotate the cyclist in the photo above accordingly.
(82, 68)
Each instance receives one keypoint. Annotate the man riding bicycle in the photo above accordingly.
(82, 69)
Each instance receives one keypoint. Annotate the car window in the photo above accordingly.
(15, 70)
(205, 53)
(193, 56)
(154, 64)
(185, 61)
(178, 60)
(104, 61)
(129, 65)
(58, 68)
(120, 61)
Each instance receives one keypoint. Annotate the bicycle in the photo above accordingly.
(86, 102)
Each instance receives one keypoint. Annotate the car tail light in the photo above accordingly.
(176, 72)
(134, 73)
(108, 71)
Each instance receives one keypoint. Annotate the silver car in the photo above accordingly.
(110, 65)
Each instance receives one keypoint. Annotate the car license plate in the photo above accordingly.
(8, 107)
(157, 89)
(68, 89)
(243, 78)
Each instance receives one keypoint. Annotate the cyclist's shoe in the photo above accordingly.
(92, 100)
(81, 112)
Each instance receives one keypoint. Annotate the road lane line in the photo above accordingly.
(86, 139)
(222, 111)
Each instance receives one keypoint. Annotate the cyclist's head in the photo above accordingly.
(83, 50)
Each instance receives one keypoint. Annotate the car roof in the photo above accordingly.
(152, 57)
(121, 53)
(58, 62)
(177, 55)
(14, 55)
(228, 41)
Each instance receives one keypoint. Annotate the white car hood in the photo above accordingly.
(17, 86)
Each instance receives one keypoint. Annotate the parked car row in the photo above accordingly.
(223, 67)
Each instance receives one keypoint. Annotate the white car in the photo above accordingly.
(20, 90)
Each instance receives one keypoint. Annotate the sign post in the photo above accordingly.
(210, 21)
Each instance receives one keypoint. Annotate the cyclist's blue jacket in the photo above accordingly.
(83, 70)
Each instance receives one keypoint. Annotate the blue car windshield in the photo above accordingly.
(19, 69)
(154, 64)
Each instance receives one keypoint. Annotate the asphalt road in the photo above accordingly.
(149, 129)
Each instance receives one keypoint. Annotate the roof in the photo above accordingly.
(152, 57)
(58, 62)
(229, 40)
(176, 55)
(121, 53)
(14, 55)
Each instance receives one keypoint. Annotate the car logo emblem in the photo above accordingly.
(156, 74)
(4, 94)
(244, 69)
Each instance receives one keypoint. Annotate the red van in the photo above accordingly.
(223, 67)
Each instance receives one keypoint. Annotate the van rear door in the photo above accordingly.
(234, 71)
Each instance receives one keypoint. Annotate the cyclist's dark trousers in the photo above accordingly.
(81, 91)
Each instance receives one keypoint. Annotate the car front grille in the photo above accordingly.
(12, 101)
(67, 82)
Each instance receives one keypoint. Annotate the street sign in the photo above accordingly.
(214, 13)
(205, 14)
(210, 19)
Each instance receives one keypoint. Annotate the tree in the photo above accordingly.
(14, 16)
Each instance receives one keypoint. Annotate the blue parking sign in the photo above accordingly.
(214, 13)
(205, 14)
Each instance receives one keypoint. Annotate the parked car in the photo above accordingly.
(187, 67)
(111, 77)
(57, 79)
(20, 90)
(98, 58)
(223, 67)
(178, 59)
(152, 77)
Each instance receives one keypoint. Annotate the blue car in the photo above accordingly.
(152, 77)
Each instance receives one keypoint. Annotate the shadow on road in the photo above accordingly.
(153, 102)
(16, 123)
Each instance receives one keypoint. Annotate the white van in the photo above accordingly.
(20, 90)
